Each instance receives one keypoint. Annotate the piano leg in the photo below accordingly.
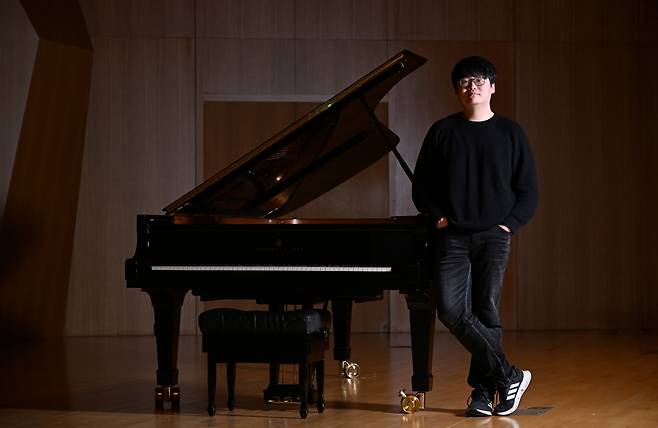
(275, 368)
(342, 322)
(341, 311)
(167, 303)
(422, 315)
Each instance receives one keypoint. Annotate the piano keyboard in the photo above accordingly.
(270, 268)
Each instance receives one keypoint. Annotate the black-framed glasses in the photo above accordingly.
(466, 81)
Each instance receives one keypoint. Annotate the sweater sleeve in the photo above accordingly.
(424, 180)
(524, 185)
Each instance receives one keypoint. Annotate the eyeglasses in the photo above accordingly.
(466, 81)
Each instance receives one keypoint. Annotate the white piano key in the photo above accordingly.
(270, 268)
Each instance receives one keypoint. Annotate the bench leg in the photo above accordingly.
(319, 378)
(230, 381)
(303, 386)
(311, 397)
(212, 383)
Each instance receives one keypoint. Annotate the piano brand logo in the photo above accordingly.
(279, 247)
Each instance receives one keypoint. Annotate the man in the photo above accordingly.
(475, 179)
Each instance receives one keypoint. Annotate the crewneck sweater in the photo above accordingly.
(476, 174)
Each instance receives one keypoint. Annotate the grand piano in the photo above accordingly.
(229, 237)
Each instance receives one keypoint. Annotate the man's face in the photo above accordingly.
(474, 90)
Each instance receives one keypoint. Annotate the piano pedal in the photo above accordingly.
(167, 393)
(349, 369)
(413, 402)
(282, 394)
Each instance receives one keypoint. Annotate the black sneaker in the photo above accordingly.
(510, 395)
(479, 403)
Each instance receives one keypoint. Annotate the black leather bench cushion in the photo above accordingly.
(232, 321)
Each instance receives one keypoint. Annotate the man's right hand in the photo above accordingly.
(443, 222)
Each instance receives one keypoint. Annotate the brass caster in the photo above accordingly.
(350, 369)
(413, 402)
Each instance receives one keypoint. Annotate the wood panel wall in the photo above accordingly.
(18, 46)
(576, 75)
(140, 155)
(39, 218)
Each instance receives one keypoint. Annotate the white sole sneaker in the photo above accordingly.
(517, 393)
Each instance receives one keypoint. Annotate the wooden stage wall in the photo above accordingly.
(39, 216)
(576, 75)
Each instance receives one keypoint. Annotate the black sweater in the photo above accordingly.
(476, 174)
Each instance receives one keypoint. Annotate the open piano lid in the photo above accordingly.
(329, 145)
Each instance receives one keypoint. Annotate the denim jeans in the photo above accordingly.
(468, 277)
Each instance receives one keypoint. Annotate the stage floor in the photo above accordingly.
(580, 379)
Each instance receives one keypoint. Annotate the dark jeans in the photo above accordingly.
(468, 278)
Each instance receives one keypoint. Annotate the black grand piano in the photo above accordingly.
(228, 238)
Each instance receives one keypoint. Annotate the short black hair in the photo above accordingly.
(473, 66)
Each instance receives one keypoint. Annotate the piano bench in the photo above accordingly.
(295, 337)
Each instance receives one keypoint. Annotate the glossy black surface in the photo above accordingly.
(338, 139)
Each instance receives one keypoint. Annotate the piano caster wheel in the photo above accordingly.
(350, 369)
(411, 403)
(303, 412)
(211, 410)
(230, 404)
